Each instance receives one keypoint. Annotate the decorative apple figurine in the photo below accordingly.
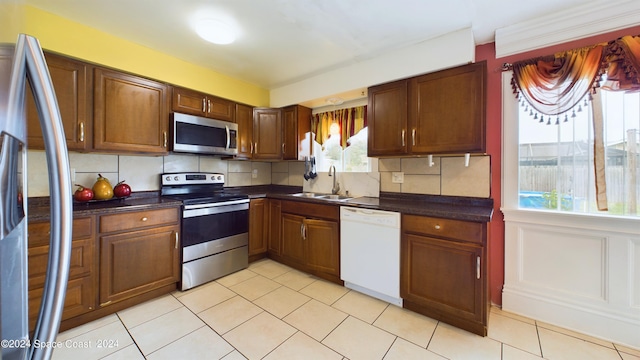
(122, 190)
(83, 194)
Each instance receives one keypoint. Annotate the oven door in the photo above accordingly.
(211, 228)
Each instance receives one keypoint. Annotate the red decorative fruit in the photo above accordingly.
(83, 194)
(122, 190)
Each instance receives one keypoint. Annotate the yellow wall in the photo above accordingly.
(76, 40)
(11, 17)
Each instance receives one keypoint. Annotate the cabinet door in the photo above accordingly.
(322, 250)
(130, 113)
(221, 109)
(267, 134)
(447, 111)
(244, 119)
(387, 119)
(275, 214)
(296, 125)
(189, 102)
(258, 226)
(292, 230)
(135, 262)
(80, 298)
(72, 83)
(442, 275)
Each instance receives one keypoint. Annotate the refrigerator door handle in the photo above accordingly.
(29, 52)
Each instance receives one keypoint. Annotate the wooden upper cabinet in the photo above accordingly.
(437, 113)
(72, 84)
(244, 119)
(296, 125)
(196, 103)
(131, 114)
(267, 134)
(387, 119)
(447, 111)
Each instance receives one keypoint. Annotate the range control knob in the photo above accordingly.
(219, 177)
(213, 177)
(168, 178)
(176, 178)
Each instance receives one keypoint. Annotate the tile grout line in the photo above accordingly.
(130, 335)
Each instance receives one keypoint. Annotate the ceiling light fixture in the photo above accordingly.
(215, 31)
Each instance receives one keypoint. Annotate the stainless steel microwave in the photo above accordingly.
(199, 135)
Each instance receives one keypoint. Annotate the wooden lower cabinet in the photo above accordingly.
(133, 263)
(81, 287)
(310, 238)
(275, 229)
(443, 271)
(258, 228)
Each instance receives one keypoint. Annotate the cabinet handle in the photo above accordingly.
(403, 143)
(251, 151)
(478, 267)
(81, 131)
(177, 239)
(283, 147)
(302, 231)
(105, 303)
(255, 148)
(164, 135)
(437, 227)
(208, 106)
(144, 219)
(413, 137)
(204, 105)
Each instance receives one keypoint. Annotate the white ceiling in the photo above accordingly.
(285, 41)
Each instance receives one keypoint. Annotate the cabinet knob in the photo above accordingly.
(144, 219)
(81, 131)
(437, 227)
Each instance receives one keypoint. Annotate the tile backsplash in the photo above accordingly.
(447, 175)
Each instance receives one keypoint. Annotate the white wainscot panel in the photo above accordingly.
(574, 271)
(635, 273)
(573, 263)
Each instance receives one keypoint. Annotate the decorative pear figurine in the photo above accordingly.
(102, 189)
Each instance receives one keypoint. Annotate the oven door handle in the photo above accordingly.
(210, 205)
(220, 209)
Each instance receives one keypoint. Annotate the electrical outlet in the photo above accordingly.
(254, 174)
(397, 177)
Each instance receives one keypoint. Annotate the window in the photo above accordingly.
(352, 159)
(329, 146)
(556, 170)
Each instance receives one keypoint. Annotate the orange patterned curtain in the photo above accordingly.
(349, 121)
(554, 85)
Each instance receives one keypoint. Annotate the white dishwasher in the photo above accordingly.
(370, 252)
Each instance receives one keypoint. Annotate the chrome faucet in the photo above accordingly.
(336, 185)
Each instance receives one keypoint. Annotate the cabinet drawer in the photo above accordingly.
(330, 212)
(445, 228)
(81, 260)
(138, 219)
(39, 231)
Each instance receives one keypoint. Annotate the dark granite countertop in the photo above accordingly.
(39, 206)
(448, 207)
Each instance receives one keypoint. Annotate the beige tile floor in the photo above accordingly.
(270, 311)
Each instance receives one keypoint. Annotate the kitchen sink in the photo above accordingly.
(323, 196)
(308, 194)
(335, 197)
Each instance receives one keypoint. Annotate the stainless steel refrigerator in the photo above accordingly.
(23, 64)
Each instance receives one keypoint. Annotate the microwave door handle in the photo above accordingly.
(226, 127)
(60, 190)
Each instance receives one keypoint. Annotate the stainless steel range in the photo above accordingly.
(215, 226)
